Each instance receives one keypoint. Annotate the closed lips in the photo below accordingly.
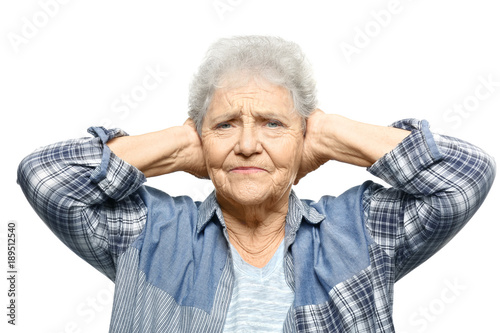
(247, 169)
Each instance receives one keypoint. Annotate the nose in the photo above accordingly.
(248, 142)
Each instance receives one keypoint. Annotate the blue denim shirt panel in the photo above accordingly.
(327, 253)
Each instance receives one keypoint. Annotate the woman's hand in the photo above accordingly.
(312, 154)
(193, 153)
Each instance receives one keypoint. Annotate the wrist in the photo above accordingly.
(328, 135)
(189, 157)
(178, 154)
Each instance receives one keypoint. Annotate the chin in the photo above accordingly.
(254, 194)
(251, 197)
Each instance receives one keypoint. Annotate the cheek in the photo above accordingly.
(215, 153)
(287, 154)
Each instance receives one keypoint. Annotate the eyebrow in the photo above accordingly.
(226, 116)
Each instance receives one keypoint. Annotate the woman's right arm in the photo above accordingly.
(166, 151)
(87, 193)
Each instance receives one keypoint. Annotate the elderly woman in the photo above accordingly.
(254, 257)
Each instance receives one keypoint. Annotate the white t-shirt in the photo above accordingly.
(261, 297)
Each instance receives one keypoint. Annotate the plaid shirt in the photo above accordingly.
(169, 256)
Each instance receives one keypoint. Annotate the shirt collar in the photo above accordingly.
(297, 210)
(207, 210)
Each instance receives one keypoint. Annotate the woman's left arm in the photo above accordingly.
(333, 137)
(438, 182)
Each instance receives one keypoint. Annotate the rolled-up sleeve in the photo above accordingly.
(87, 196)
(438, 183)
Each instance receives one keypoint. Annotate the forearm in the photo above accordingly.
(162, 152)
(357, 143)
(155, 153)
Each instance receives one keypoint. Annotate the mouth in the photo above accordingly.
(247, 170)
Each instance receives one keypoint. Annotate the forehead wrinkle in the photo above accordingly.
(238, 103)
(262, 108)
(246, 103)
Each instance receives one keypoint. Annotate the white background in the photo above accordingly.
(71, 70)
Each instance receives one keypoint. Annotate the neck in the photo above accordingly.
(255, 231)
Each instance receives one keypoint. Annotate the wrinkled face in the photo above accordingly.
(252, 141)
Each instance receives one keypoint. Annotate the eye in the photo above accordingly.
(274, 124)
(224, 125)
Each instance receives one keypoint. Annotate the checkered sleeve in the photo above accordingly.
(87, 196)
(438, 183)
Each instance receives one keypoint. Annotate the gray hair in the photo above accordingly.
(273, 59)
